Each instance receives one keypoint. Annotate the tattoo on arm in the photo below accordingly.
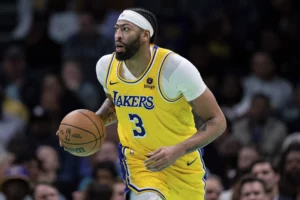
(107, 112)
(203, 127)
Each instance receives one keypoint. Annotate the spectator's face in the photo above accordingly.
(14, 68)
(12, 186)
(48, 156)
(86, 24)
(213, 189)
(107, 152)
(259, 110)
(230, 87)
(292, 166)
(246, 157)
(51, 83)
(253, 191)
(71, 72)
(45, 192)
(265, 172)
(262, 66)
(104, 176)
(119, 193)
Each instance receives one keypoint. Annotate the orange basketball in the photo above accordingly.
(81, 132)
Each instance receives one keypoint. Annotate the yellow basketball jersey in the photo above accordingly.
(147, 118)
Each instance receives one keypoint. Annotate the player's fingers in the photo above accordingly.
(156, 164)
(154, 158)
(154, 152)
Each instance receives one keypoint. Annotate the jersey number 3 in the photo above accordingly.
(139, 130)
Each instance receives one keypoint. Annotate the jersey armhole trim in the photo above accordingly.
(160, 82)
(109, 69)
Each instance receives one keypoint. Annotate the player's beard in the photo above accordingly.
(130, 50)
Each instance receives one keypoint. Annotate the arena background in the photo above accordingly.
(247, 52)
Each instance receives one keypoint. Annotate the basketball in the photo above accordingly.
(81, 132)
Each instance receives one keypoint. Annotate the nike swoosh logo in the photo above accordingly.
(189, 163)
(113, 83)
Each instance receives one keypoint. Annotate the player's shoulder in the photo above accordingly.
(173, 62)
(103, 63)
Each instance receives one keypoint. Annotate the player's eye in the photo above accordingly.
(126, 29)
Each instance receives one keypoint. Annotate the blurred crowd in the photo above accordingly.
(246, 51)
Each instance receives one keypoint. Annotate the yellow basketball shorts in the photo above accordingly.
(184, 180)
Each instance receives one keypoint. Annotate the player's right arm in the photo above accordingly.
(107, 111)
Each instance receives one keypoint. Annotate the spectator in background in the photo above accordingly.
(291, 112)
(87, 46)
(264, 80)
(96, 191)
(20, 86)
(41, 51)
(49, 164)
(108, 152)
(6, 160)
(246, 156)
(16, 184)
(214, 187)
(250, 188)
(103, 172)
(39, 131)
(230, 97)
(10, 123)
(56, 99)
(12, 107)
(85, 91)
(260, 128)
(265, 171)
(119, 190)
(289, 167)
(43, 191)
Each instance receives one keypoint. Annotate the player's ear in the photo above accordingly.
(145, 36)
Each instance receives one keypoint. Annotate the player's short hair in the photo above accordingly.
(150, 17)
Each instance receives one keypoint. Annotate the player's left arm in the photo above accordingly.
(206, 108)
(188, 81)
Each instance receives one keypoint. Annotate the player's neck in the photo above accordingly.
(140, 61)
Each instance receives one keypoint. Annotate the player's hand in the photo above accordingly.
(162, 158)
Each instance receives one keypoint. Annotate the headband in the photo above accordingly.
(137, 19)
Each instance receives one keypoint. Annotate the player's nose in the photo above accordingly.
(118, 35)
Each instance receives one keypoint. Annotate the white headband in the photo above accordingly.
(137, 19)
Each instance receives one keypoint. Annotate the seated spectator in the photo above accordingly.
(85, 91)
(16, 184)
(260, 128)
(214, 187)
(96, 191)
(44, 191)
(289, 168)
(265, 80)
(49, 164)
(265, 171)
(250, 187)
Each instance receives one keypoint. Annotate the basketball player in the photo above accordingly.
(151, 93)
